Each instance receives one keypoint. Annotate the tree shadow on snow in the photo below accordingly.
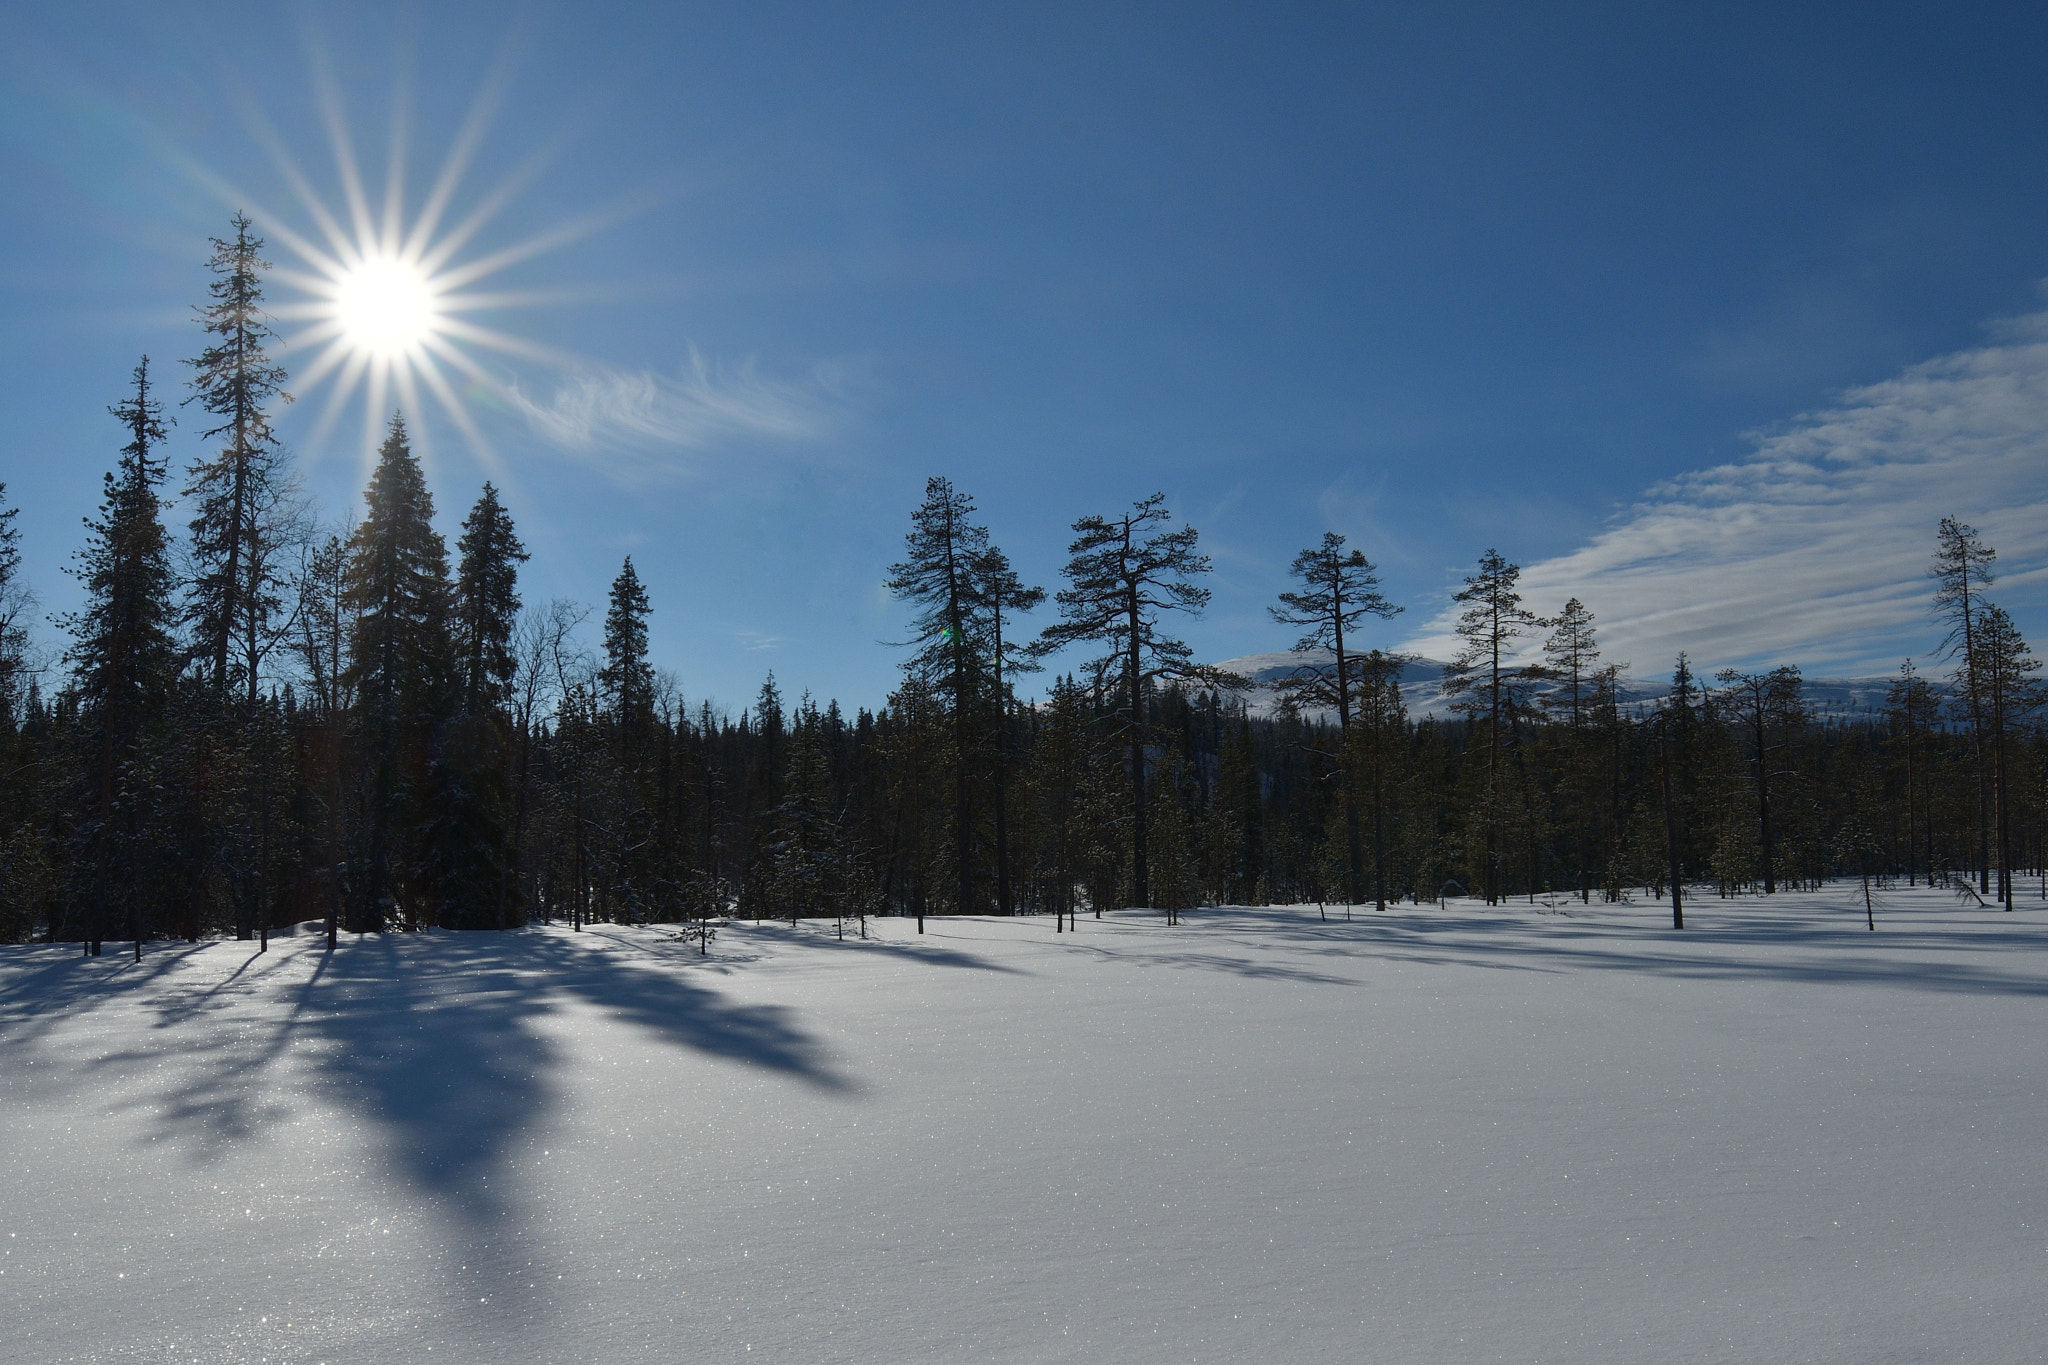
(1833, 946)
(440, 1042)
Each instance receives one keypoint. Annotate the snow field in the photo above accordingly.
(1431, 1135)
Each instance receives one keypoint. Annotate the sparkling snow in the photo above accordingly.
(1528, 1134)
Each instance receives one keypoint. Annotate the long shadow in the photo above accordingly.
(1215, 962)
(1896, 956)
(437, 1042)
(45, 985)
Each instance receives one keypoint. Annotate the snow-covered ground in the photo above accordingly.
(1430, 1135)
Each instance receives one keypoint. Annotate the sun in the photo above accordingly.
(386, 308)
(385, 297)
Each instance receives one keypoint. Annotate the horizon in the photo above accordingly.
(733, 300)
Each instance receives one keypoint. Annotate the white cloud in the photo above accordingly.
(656, 417)
(1814, 550)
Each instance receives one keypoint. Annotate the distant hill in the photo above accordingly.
(1422, 686)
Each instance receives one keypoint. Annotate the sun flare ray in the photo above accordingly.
(385, 259)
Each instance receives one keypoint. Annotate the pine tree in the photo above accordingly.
(1338, 591)
(1961, 571)
(487, 604)
(1492, 621)
(1761, 701)
(234, 586)
(1571, 654)
(1913, 706)
(1122, 577)
(937, 574)
(2002, 667)
(123, 659)
(997, 593)
(399, 670)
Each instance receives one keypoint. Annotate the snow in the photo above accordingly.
(1545, 1133)
(1422, 692)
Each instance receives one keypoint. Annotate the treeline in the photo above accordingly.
(275, 722)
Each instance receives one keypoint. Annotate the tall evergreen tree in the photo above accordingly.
(487, 604)
(234, 585)
(1961, 572)
(123, 659)
(470, 831)
(937, 574)
(1913, 706)
(1123, 575)
(627, 676)
(999, 592)
(1762, 702)
(399, 670)
(2003, 668)
(15, 604)
(1571, 655)
(1338, 591)
(1483, 680)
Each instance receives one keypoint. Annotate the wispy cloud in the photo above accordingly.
(661, 419)
(1814, 550)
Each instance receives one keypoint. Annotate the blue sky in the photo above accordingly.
(1703, 315)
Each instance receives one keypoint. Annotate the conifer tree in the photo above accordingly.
(1571, 654)
(15, 604)
(487, 604)
(1913, 706)
(1761, 701)
(1382, 719)
(1480, 677)
(234, 584)
(1338, 591)
(123, 659)
(399, 668)
(998, 592)
(627, 676)
(1123, 575)
(937, 574)
(469, 831)
(2003, 667)
(1961, 571)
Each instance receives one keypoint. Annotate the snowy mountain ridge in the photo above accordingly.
(1836, 699)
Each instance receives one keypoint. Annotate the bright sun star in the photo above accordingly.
(385, 307)
(386, 294)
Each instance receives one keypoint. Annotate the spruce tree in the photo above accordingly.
(1123, 575)
(627, 676)
(123, 659)
(487, 604)
(399, 670)
(1375, 742)
(1483, 681)
(467, 846)
(1338, 591)
(234, 584)
(15, 604)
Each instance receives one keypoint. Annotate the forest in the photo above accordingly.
(275, 720)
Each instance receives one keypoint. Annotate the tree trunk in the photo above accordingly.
(1670, 830)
